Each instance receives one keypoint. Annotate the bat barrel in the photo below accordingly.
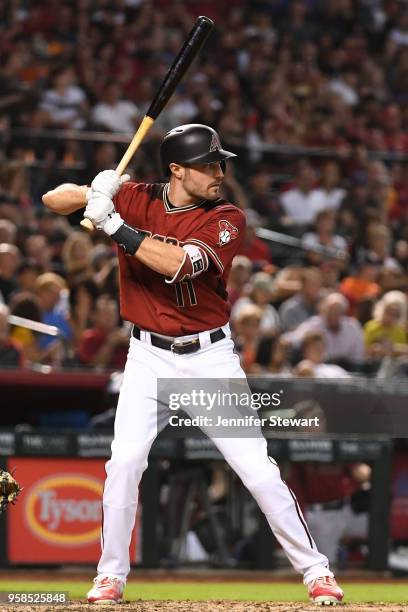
(192, 45)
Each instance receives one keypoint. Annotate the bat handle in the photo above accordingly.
(130, 151)
(87, 224)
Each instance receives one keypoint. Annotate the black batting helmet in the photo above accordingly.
(192, 143)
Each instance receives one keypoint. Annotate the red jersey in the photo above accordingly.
(186, 307)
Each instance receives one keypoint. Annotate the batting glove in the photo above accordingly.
(98, 209)
(108, 182)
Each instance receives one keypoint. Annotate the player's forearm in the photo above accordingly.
(66, 198)
(161, 257)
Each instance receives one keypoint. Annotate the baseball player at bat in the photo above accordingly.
(177, 241)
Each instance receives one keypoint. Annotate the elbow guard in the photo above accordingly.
(194, 263)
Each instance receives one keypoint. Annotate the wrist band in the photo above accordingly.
(128, 238)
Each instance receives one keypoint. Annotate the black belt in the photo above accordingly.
(180, 348)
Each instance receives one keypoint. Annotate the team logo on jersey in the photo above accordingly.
(227, 232)
(215, 143)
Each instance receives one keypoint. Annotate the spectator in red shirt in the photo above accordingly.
(105, 345)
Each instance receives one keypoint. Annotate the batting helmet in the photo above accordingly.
(192, 143)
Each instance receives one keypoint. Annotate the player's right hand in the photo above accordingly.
(108, 182)
(98, 209)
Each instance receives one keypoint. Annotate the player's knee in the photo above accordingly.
(133, 461)
(255, 471)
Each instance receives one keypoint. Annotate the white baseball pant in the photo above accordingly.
(136, 429)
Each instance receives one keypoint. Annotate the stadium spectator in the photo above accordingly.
(38, 252)
(24, 304)
(82, 296)
(104, 345)
(247, 335)
(343, 335)
(324, 236)
(261, 196)
(51, 292)
(272, 358)
(241, 269)
(362, 285)
(26, 275)
(379, 239)
(260, 293)
(303, 201)
(330, 186)
(11, 355)
(304, 304)
(386, 334)
(114, 113)
(9, 261)
(313, 351)
(77, 256)
(65, 102)
(8, 231)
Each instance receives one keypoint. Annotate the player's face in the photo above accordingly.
(203, 181)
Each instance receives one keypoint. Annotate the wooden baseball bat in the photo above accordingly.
(191, 47)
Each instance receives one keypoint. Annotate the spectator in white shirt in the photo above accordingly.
(313, 351)
(344, 338)
(302, 203)
(114, 113)
(65, 103)
(330, 188)
(346, 86)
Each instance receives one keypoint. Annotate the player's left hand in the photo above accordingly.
(108, 182)
(98, 209)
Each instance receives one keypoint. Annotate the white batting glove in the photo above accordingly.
(98, 209)
(108, 182)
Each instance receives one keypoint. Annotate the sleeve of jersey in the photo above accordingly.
(128, 199)
(221, 237)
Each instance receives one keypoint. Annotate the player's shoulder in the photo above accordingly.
(142, 191)
(222, 208)
(155, 189)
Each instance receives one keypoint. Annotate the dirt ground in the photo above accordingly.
(207, 606)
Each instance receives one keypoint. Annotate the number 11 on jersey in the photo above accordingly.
(185, 288)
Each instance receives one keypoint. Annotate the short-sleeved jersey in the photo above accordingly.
(190, 306)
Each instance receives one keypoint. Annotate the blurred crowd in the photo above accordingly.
(328, 79)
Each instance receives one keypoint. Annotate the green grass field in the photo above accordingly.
(238, 591)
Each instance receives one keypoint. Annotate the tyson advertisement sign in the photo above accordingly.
(65, 509)
(58, 517)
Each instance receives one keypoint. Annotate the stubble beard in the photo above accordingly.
(201, 193)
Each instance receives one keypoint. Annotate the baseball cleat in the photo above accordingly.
(106, 590)
(324, 591)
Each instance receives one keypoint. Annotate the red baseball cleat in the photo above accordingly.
(324, 591)
(106, 590)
